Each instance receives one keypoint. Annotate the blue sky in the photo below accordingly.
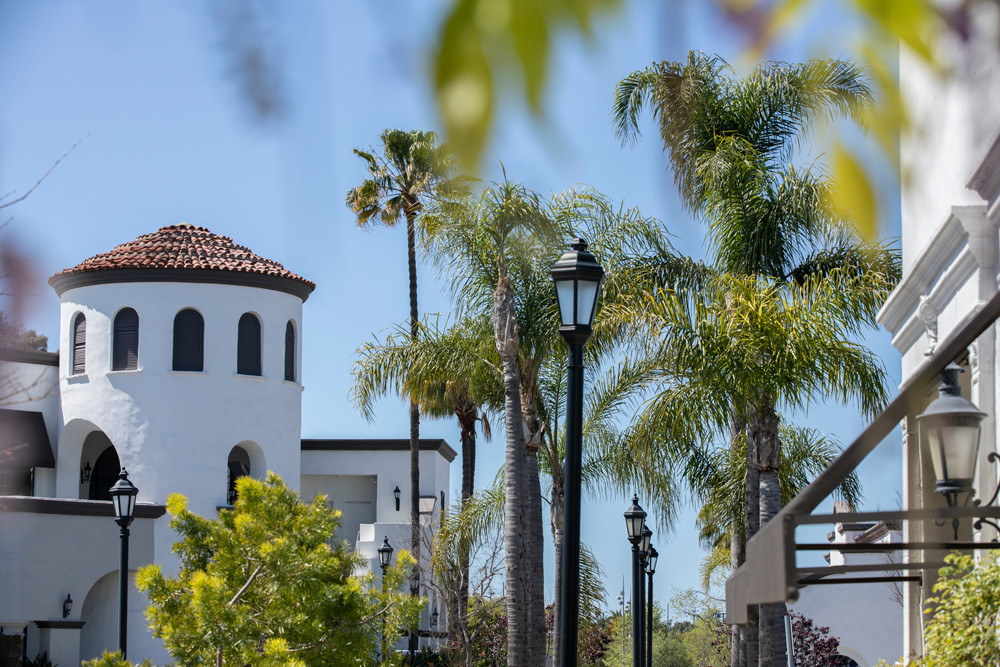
(171, 141)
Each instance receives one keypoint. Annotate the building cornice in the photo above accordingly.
(986, 179)
(956, 251)
(29, 356)
(67, 281)
(378, 445)
(73, 507)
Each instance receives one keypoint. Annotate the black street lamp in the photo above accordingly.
(123, 495)
(384, 556)
(577, 277)
(644, 546)
(650, 570)
(635, 522)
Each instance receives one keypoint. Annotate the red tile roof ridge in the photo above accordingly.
(182, 246)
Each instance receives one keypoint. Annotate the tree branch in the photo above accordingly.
(44, 176)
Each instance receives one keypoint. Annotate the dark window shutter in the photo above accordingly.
(248, 346)
(126, 344)
(290, 352)
(79, 344)
(189, 341)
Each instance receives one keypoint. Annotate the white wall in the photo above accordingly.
(955, 120)
(173, 431)
(34, 388)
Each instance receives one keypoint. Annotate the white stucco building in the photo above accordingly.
(867, 617)
(950, 242)
(180, 360)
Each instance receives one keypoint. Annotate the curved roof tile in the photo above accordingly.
(181, 247)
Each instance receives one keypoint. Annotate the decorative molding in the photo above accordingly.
(928, 316)
(65, 282)
(60, 625)
(974, 363)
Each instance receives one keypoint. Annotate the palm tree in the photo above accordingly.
(729, 143)
(469, 255)
(411, 170)
(448, 372)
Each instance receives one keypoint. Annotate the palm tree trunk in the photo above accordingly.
(763, 440)
(534, 554)
(505, 333)
(466, 411)
(411, 246)
(737, 545)
(751, 524)
(556, 517)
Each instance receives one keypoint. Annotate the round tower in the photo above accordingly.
(181, 362)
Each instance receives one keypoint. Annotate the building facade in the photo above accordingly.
(180, 360)
(950, 244)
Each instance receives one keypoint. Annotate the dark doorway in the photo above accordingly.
(105, 474)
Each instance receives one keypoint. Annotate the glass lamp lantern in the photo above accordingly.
(123, 495)
(384, 553)
(635, 521)
(578, 277)
(651, 560)
(644, 543)
(949, 429)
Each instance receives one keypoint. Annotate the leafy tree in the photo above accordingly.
(411, 170)
(963, 615)
(813, 645)
(114, 659)
(263, 584)
(14, 336)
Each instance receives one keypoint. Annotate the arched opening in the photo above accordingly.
(79, 363)
(99, 614)
(106, 467)
(239, 466)
(126, 341)
(189, 341)
(290, 351)
(248, 345)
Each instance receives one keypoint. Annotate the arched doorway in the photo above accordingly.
(105, 472)
(239, 466)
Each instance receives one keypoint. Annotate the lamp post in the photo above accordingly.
(384, 556)
(123, 495)
(635, 518)
(950, 428)
(644, 545)
(650, 570)
(577, 277)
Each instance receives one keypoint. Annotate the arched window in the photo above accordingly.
(126, 342)
(248, 345)
(239, 466)
(290, 352)
(189, 341)
(79, 344)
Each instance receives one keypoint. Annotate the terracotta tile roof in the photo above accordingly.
(182, 247)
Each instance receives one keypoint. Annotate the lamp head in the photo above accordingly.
(384, 553)
(635, 519)
(578, 277)
(949, 429)
(123, 495)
